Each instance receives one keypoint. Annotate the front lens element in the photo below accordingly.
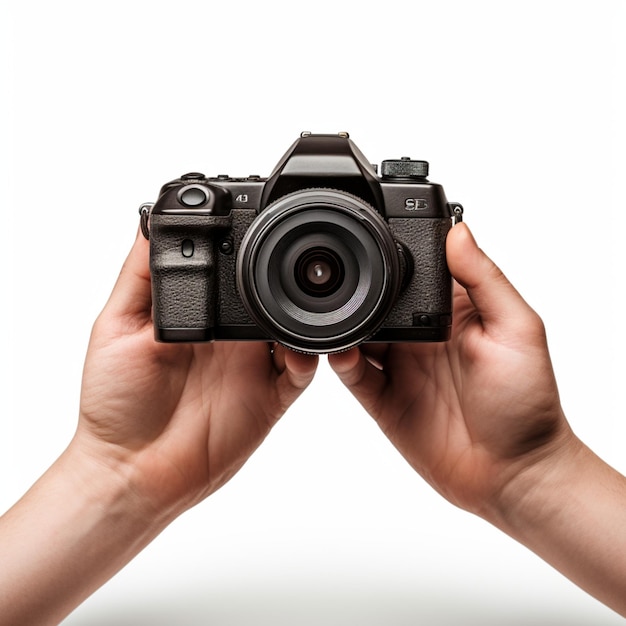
(319, 272)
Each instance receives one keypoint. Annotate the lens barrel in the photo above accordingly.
(318, 270)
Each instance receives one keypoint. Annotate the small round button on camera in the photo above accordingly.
(193, 196)
(187, 248)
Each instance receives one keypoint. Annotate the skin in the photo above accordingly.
(162, 426)
(462, 412)
(479, 418)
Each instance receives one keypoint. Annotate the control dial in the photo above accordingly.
(404, 168)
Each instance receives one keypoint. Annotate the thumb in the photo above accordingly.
(498, 303)
(131, 295)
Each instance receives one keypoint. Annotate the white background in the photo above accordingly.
(519, 108)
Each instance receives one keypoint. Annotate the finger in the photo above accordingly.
(299, 368)
(296, 371)
(277, 352)
(498, 303)
(375, 353)
(366, 381)
(131, 295)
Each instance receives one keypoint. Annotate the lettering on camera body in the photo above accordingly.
(415, 204)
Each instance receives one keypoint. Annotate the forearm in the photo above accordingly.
(571, 511)
(75, 528)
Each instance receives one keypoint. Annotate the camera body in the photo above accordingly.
(322, 255)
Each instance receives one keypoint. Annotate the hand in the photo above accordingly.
(479, 417)
(470, 413)
(180, 419)
(161, 426)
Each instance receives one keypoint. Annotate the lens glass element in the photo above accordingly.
(319, 272)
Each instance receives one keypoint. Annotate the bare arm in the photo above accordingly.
(75, 528)
(571, 510)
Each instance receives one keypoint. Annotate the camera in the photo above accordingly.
(322, 255)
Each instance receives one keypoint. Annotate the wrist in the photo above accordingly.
(76, 527)
(110, 477)
(570, 509)
(530, 495)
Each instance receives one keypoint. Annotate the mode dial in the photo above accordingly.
(404, 168)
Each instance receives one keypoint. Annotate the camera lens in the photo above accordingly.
(318, 270)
